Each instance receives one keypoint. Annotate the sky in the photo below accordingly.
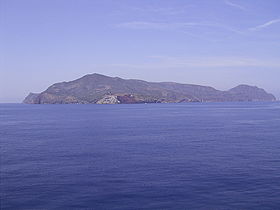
(218, 43)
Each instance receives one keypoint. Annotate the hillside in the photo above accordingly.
(100, 89)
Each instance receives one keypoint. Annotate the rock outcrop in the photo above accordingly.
(31, 98)
(109, 99)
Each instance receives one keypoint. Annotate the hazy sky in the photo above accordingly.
(221, 43)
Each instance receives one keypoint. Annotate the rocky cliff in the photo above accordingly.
(100, 89)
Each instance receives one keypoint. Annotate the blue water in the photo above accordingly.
(141, 156)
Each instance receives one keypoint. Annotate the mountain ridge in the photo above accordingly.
(101, 89)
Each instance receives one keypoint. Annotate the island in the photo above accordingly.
(101, 89)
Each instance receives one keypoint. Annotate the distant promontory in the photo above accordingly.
(100, 89)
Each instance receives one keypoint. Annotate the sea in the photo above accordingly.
(140, 156)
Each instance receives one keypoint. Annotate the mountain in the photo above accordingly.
(100, 89)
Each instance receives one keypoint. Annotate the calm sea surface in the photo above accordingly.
(145, 156)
